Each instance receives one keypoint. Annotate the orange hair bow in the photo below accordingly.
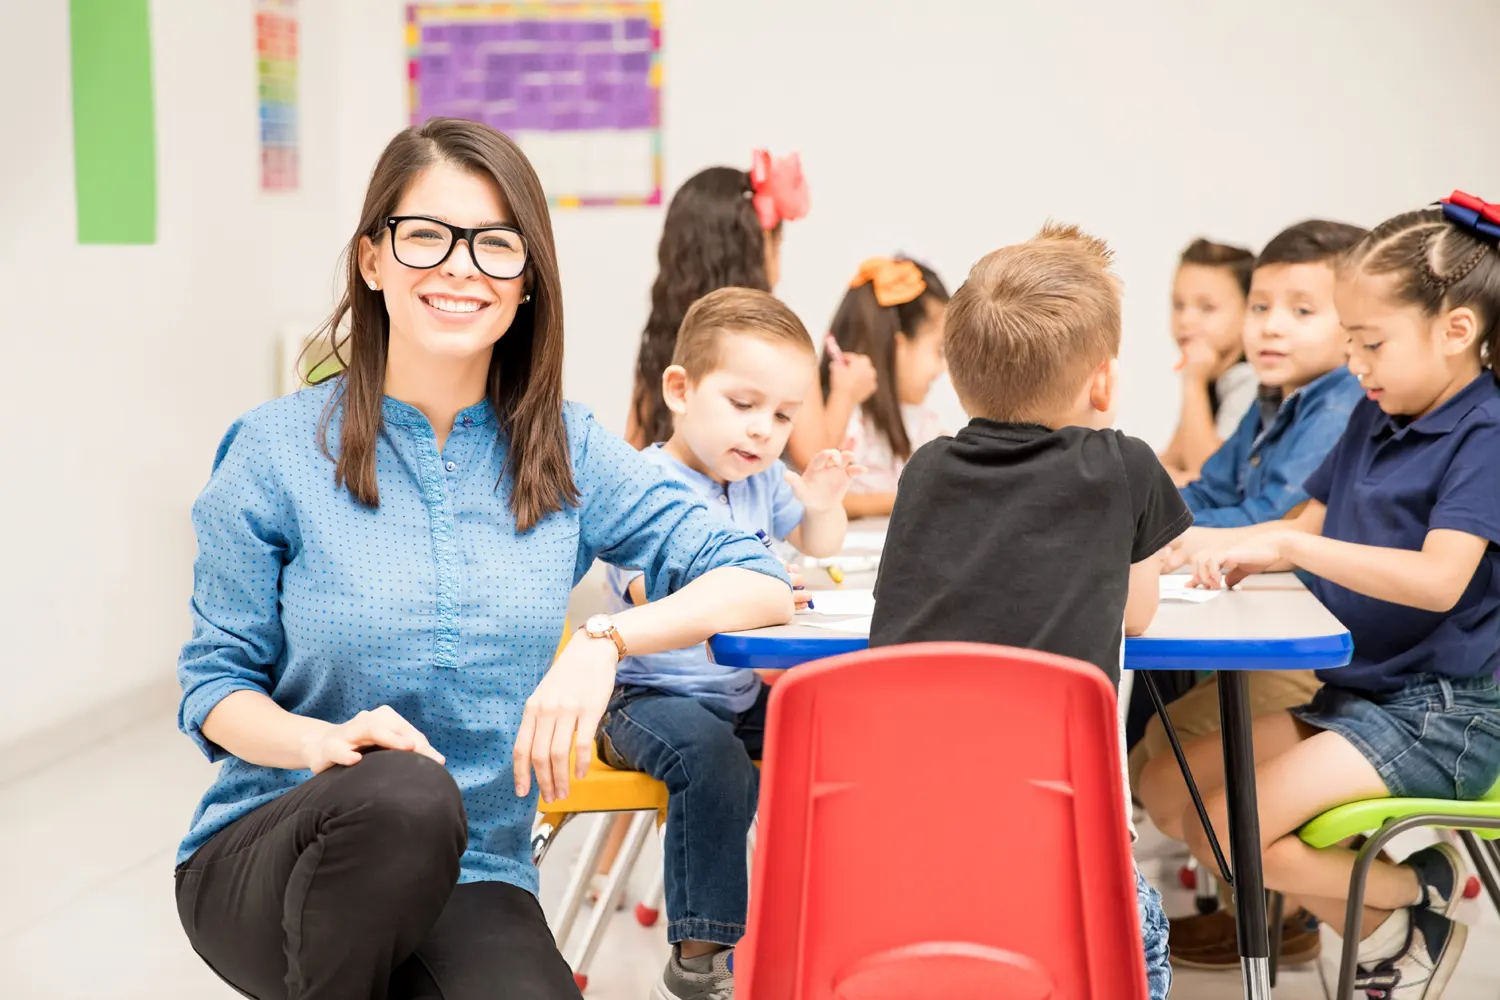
(896, 282)
(778, 189)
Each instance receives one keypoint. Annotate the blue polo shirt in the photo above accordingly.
(1257, 475)
(763, 502)
(1389, 482)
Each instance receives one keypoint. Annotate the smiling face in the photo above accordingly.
(454, 311)
(734, 421)
(1292, 332)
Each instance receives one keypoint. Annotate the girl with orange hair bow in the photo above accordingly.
(893, 314)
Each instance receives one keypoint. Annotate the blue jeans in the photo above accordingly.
(703, 755)
(1154, 936)
(1436, 737)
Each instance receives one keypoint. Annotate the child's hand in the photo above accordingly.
(854, 378)
(1198, 361)
(822, 485)
(1218, 569)
(800, 597)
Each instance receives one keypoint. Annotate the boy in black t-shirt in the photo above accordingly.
(1034, 526)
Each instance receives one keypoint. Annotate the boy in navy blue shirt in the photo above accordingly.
(1402, 535)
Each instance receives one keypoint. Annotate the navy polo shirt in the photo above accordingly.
(1388, 482)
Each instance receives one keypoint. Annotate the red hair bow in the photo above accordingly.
(1472, 213)
(778, 190)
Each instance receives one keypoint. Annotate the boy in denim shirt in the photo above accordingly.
(1298, 349)
(1295, 344)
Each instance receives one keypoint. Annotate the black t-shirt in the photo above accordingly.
(1017, 535)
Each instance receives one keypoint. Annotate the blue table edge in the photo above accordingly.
(1321, 652)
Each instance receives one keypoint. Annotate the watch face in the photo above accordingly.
(597, 626)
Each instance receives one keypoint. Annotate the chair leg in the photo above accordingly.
(579, 878)
(640, 829)
(1478, 855)
(1278, 913)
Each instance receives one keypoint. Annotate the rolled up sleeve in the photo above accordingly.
(637, 516)
(241, 524)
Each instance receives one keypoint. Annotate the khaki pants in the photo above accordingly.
(1196, 713)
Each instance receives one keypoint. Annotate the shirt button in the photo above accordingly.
(723, 498)
(452, 466)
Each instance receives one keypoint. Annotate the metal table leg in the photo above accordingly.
(1244, 834)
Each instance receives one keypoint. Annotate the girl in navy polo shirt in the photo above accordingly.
(1403, 535)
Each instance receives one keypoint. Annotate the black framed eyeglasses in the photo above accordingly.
(423, 243)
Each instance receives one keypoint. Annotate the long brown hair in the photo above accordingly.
(863, 326)
(711, 239)
(525, 376)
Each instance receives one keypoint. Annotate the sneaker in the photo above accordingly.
(681, 983)
(1300, 942)
(1433, 946)
(1440, 871)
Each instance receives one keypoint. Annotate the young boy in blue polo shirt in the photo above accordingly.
(1402, 534)
(743, 365)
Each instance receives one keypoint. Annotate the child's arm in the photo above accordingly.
(1145, 595)
(858, 505)
(1196, 437)
(822, 423)
(1307, 518)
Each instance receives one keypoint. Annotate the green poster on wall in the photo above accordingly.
(114, 121)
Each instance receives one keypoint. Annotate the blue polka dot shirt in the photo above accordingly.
(431, 603)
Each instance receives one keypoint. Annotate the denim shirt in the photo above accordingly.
(1257, 474)
(432, 603)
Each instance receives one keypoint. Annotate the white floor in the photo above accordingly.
(86, 910)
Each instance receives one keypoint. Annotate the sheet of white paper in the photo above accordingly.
(1175, 588)
(844, 602)
(864, 541)
(858, 626)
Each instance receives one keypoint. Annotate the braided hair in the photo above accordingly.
(1438, 265)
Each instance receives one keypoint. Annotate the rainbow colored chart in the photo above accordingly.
(276, 70)
(577, 85)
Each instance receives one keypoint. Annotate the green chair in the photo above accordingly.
(1475, 821)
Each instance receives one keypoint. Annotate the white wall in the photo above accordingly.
(120, 367)
(951, 127)
(945, 129)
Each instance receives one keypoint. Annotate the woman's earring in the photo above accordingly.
(374, 287)
(526, 298)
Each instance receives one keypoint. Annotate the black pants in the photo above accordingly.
(344, 889)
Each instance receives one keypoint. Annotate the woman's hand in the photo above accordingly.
(563, 715)
(383, 727)
(853, 378)
(1215, 569)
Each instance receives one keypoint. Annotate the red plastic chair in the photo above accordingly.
(942, 820)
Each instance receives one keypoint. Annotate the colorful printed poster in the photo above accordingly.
(577, 85)
(276, 71)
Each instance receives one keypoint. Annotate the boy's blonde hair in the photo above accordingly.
(1030, 323)
(735, 310)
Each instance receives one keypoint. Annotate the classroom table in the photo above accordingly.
(1269, 622)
